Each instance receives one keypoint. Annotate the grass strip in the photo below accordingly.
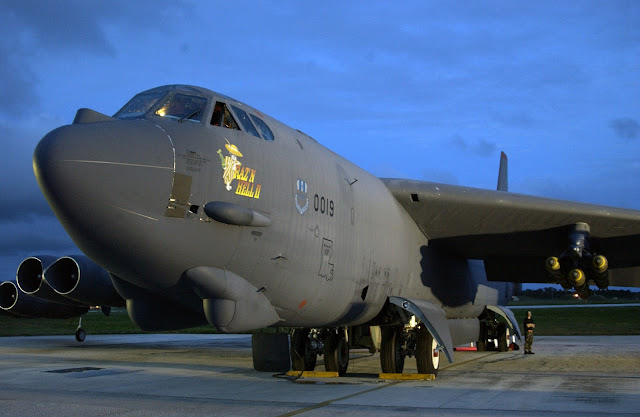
(568, 321)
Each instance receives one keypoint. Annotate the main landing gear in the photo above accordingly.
(410, 340)
(492, 331)
(307, 344)
(396, 343)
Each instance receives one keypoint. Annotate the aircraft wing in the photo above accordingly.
(514, 233)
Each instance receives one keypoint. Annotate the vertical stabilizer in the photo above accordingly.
(503, 173)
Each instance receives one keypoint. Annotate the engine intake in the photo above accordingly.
(80, 279)
(31, 281)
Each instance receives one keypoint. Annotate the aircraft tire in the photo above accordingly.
(303, 358)
(427, 356)
(503, 337)
(270, 352)
(391, 357)
(336, 353)
(80, 335)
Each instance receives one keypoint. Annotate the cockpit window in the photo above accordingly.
(183, 107)
(139, 105)
(267, 134)
(222, 117)
(245, 121)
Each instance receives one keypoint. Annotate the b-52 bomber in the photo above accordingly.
(205, 210)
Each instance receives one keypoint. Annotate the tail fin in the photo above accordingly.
(503, 173)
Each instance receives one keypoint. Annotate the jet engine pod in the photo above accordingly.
(8, 296)
(30, 275)
(230, 302)
(79, 278)
(30, 279)
(16, 302)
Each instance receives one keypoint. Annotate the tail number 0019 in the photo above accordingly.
(323, 205)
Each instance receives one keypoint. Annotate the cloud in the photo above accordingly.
(35, 235)
(480, 147)
(625, 127)
(513, 118)
(17, 82)
(56, 25)
(33, 31)
(21, 196)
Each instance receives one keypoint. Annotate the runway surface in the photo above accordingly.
(198, 375)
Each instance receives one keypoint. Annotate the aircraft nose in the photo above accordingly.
(91, 171)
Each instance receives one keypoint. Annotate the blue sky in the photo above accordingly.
(425, 90)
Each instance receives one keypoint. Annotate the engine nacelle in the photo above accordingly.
(16, 302)
(80, 279)
(31, 281)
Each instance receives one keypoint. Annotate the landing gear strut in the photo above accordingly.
(80, 333)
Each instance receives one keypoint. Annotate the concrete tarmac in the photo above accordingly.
(198, 375)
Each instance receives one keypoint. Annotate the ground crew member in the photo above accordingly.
(528, 328)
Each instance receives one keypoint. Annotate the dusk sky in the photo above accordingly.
(429, 90)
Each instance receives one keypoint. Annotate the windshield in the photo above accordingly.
(183, 107)
(139, 105)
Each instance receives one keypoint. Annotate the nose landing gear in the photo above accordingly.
(80, 333)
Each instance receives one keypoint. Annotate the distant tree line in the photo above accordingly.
(560, 294)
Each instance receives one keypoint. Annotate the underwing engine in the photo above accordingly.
(578, 265)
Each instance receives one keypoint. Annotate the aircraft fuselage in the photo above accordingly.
(132, 192)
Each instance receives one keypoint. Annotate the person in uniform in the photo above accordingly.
(528, 328)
